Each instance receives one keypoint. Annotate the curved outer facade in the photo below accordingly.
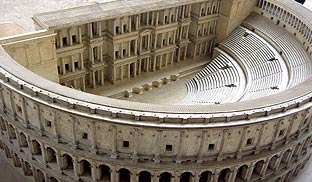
(60, 134)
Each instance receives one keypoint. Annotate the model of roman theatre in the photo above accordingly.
(160, 91)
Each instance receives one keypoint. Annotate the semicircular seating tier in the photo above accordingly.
(250, 65)
(297, 59)
(220, 81)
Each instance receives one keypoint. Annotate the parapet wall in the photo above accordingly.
(45, 126)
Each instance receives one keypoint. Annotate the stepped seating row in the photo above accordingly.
(218, 82)
(298, 60)
(263, 67)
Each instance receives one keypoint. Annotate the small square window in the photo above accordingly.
(125, 144)
(249, 141)
(48, 123)
(84, 135)
(281, 133)
(169, 148)
(211, 146)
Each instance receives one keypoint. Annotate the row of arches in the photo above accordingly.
(27, 168)
(84, 168)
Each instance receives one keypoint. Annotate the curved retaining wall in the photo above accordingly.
(59, 134)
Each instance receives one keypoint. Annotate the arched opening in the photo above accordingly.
(165, 177)
(105, 174)
(144, 176)
(124, 175)
(40, 176)
(224, 175)
(16, 161)
(51, 155)
(85, 168)
(241, 173)
(23, 139)
(52, 179)
(258, 168)
(67, 162)
(2, 124)
(12, 134)
(27, 169)
(36, 148)
(271, 165)
(285, 156)
(186, 177)
(205, 176)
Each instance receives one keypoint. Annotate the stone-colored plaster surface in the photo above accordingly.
(20, 12)
(8, 29)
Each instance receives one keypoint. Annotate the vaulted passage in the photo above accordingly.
(165, 177)
(23, 140)
(27, 169)
(205, 176)
(144, 176)
(85, 168)
(241, 173)
(224, 175)
(105, 174)
(67, 162)
(52, 179)
(36, 148)
(40, 176)
(51, 155)
(124, 175)
(186, 177)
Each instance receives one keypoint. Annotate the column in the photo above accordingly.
(99, 28)
(79, 35)
(113, 174)
(220, 154)
(101, 53)
(160, 61)
(94, 172)
(154, 63)
(157, 147)
(93, 79)
(74, 142)
(114, 75)
(102, 77)
(157, 18)
(63, 66)
(129, 23)
(61, 39)
(90, 30)
(83, 83)
(249, 171)
(76, 166)
(134, 69)
(129, 76)
(70, 34)
(114, 142)
(129, 48)
(72, 63)
(121, 72)
(140, 65)
(91, 57)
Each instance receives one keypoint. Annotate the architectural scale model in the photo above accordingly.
(246, 114)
